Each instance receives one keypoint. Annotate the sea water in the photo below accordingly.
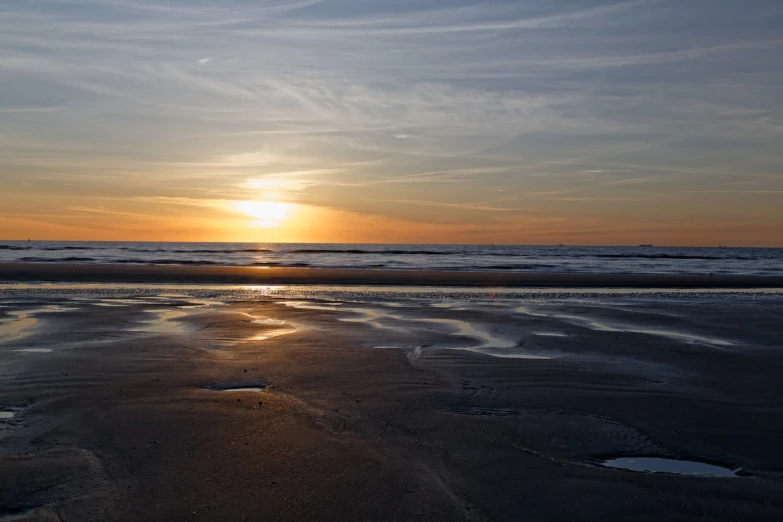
(551, 259)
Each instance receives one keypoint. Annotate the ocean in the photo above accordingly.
(546, 259)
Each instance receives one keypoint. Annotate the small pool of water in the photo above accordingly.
(18, 326)
(658, 465)
(256, 385)
(165, 322)
(268, 321)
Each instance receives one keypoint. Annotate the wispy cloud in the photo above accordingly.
(334, 105)
(439, 21)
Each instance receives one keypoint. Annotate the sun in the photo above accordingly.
(266, 214)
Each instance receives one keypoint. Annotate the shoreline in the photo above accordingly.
(114, 273)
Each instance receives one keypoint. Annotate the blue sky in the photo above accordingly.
(505, 121)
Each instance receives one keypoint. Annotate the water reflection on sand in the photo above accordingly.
(660, 465)
(383, 319)
(22, 323)
(164, 322)
(397, 309)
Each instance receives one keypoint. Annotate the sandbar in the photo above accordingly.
(114, 273)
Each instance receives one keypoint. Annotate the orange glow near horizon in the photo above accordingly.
(275, 218)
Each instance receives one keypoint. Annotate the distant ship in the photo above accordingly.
(646, 245)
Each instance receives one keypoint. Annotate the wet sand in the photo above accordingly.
(105, 273)
(171, 408)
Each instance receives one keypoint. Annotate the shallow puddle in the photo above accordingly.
(252, 386)
(687, 338)
(21, 323)
(465, 329)
(370, 317)
(164, 323)
(306, 305)
(587, 322)
(517, 355)
(527, 311)
(268, 321)
(54, 308)
(18, 327)
(269, 333)
(486, 342)
(658, 465)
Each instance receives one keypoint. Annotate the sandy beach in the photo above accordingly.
(141, 404)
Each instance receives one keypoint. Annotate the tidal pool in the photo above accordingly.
(658, 465)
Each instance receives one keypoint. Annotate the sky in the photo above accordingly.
(427, 121)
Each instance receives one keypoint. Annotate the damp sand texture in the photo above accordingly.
(195, 405)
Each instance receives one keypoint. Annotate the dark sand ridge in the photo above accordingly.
(106, 273)
(131, 428)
